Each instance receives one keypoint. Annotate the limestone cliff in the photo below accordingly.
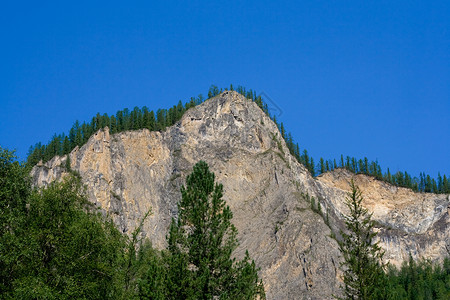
(407, 222)
(131, 172)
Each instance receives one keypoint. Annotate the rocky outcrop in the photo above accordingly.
(408, 223)
(267, 189)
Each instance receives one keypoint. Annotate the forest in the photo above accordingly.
(140, 118)
(54, 244)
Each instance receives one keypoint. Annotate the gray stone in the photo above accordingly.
(128, 173)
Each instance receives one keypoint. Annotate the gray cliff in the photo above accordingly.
(267, 189)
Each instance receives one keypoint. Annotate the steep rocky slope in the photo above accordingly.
(407, 222)
(266, 188)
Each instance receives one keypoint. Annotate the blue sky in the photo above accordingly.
(361, 78)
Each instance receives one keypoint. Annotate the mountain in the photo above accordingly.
(269, 192)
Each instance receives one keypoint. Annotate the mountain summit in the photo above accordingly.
(285, 218)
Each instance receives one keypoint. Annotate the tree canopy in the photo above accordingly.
(199, 262)
(362, 257)
(53, 243)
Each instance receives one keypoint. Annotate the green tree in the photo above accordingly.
(201, 243)
(363, 269)
(66, 145)
(419, 280)
(73, 252)
(113, 126)
(15, 189)
(152, 283)
(322, 165)
(213, 91)
(53, 244)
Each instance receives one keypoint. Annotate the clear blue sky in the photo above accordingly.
(362, 78)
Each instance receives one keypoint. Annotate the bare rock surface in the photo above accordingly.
(408, 223)
(267, 189)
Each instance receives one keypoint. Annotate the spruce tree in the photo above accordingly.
(363, 269)
(113, 127)
(66, 145)
(322, 165)
(201, 244)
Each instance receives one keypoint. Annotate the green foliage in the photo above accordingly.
(152, 283)
(71, 249)
(124, 120)
(136, 262)
(53, 244)
(199, 263)
(213, 91)
(363, 269)
(15, 189)
(419, 280)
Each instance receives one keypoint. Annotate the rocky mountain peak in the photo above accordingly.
(268, 191)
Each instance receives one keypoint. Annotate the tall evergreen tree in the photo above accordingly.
(312, 167)
(445, 185)
(201, 244)
(282, 130)
(213, 91)
(363, 269)
(66, 145)
(322, 165)
(113, 126)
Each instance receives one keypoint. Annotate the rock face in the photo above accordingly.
(267, 189)
(407, 222)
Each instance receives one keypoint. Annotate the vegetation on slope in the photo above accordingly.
(365, 276)
(419, 280)
(198, 263)
(140, 118)
(54, 244)
(362, 266)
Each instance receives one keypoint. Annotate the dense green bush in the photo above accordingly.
(54, 244)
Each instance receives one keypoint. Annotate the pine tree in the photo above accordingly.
(152, 121)
(362, 266)
(322, 165)
(439, 183)
(213, 91)
(446, 185)
(113, 126)
(66, 145)
(179, 111)
(312, 167)
(201, 244)
(305, 159)
(282, 130)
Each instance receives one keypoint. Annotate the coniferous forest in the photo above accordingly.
(140, 118)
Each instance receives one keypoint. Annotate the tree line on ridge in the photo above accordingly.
(140, 118)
